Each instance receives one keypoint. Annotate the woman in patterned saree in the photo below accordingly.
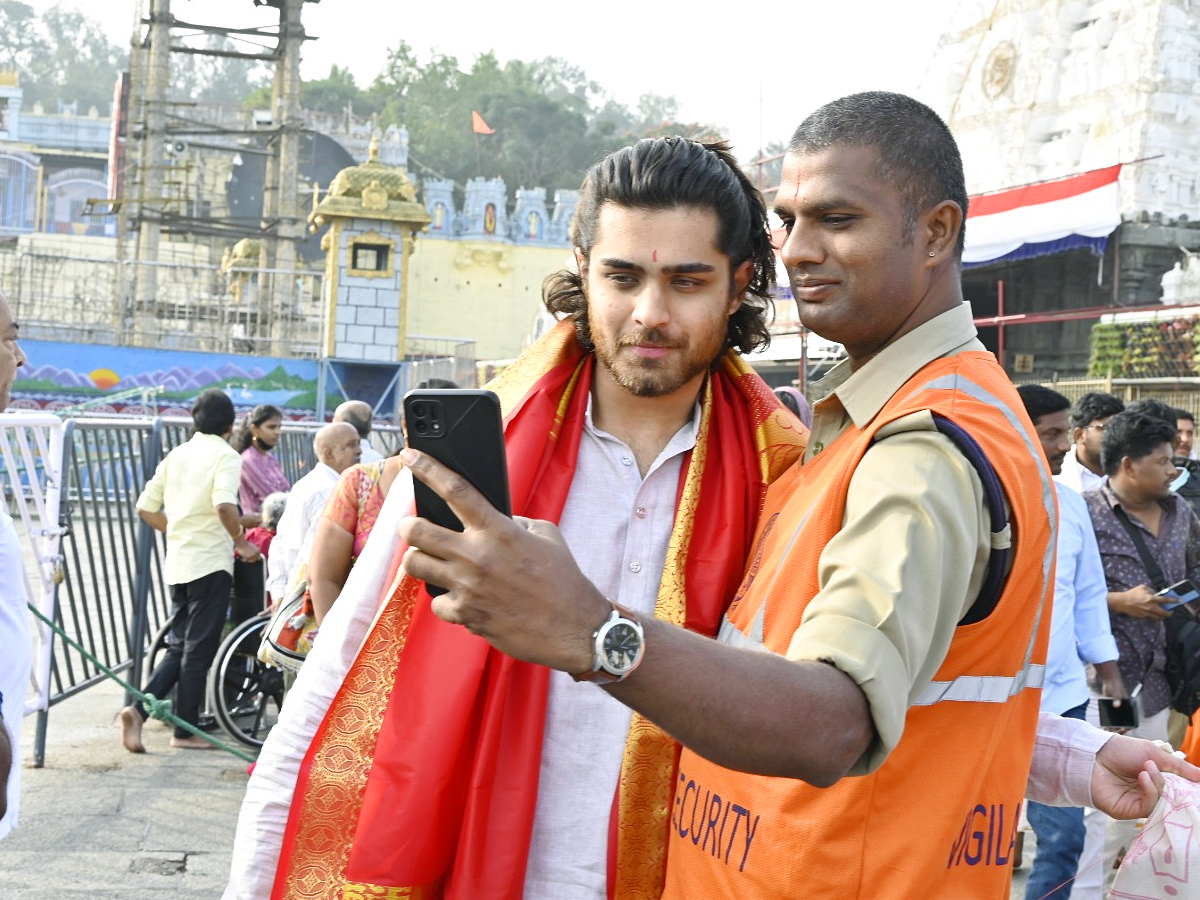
(346, 522)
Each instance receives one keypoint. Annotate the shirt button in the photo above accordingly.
(640, 512)
(635, 567)
(627, 460)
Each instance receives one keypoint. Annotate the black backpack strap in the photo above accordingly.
(998, 562)
(1152, 567)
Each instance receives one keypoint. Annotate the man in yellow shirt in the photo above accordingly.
(193, 499)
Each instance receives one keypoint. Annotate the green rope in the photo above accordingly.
(155, 708)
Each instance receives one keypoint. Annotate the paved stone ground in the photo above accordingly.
(99, 823)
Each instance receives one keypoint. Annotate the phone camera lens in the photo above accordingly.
(420, 426)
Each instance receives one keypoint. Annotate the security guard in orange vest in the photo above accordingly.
(864, 724)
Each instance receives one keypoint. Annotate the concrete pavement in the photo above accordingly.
(99, 823)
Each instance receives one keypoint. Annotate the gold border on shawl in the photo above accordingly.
(331, 804)
(648, 769)
(360, 890)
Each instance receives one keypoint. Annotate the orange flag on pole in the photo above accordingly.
(479, 126)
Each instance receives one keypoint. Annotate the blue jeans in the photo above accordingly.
(1060, 832)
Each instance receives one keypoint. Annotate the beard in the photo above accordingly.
(644, 377)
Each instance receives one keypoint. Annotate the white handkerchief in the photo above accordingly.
(1163, 862)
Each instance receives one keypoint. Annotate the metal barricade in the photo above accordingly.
(113, 593)
(31, 456)
(73, 487)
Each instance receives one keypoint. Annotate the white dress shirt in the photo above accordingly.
(15, 653)
(618, 526)
(1076, 475)
(296, 526)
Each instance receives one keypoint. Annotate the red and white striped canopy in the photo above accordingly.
(1086, 206)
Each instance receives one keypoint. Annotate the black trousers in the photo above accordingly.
(249, 589)
(200, 608)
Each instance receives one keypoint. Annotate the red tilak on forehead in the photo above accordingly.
(654, 258)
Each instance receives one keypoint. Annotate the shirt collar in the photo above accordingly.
(683, 440)
(864, 392)
(1113, 501)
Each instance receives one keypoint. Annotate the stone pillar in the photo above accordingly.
(152, 158)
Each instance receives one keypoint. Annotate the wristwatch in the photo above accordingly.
(618, 646)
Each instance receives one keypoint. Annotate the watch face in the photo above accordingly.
(622, 644)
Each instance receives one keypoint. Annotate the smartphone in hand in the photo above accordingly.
(1180, 592)
(463, 430)
(1118, 718)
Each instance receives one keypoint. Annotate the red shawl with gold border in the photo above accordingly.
(422, 779)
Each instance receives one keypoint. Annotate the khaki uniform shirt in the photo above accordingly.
(915, 540)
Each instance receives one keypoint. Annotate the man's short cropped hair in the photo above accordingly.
(1182, 413)
(667, 173)
(917, 152)
(1092, 406)
(1153, 407)
(1135, 435)
(1041, 401)
(212, 413)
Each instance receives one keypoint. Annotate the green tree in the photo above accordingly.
(65, 57)
(22, 38)
(551, 121)
(766, 168)
(218, 80)
(337, 93)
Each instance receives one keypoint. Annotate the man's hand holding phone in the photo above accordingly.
(1140, 602)
(512, 581)
(1179, 593)
(1120, 715)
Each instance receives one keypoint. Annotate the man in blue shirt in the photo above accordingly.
(1079, 633)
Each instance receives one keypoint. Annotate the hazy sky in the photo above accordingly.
(754, 73)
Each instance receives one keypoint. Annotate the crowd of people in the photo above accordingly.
(731, 644)
(1128, 535)
(228, 512)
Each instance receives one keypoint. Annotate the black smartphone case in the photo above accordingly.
(462, 429)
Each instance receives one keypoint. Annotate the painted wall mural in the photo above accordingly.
(108, 379)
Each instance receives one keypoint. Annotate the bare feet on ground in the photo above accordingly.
(131, 729)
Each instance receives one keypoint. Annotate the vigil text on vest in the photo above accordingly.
(987, 837)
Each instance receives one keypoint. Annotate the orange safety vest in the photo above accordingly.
(938, 819)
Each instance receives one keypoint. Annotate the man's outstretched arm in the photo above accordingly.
(515, 583)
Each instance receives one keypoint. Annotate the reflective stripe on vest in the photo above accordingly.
(981, 688)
